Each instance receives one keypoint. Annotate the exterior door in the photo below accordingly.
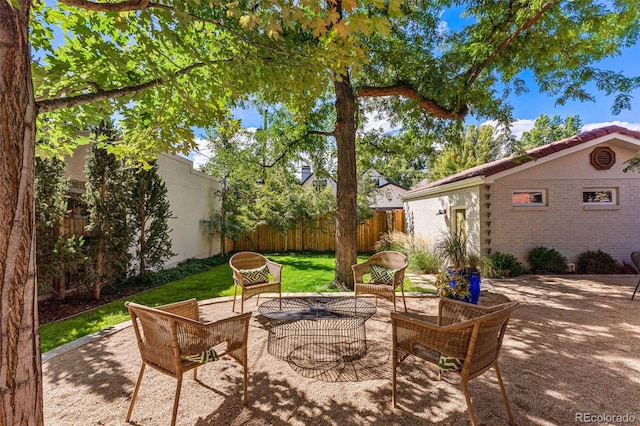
(460, 222)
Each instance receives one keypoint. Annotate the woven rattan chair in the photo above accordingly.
(635, 258)
(390, 260)
(469, 333)
(167, 334)
(245, 261)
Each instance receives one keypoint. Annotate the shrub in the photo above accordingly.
(155, 279)
(545, 260)
(394, 241)
(500, 265)
(425, 261)
(598, 262)
(419, 252)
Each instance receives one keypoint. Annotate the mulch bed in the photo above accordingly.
(54, 309)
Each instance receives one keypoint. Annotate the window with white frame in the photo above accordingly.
(599, 196)
(534, 197)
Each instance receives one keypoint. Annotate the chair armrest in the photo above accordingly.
(275, 269)
(398, 276)
(186, 308)
(195, 337)
(410, 333)
(359, 270)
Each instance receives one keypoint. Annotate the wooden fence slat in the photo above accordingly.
(320, 238)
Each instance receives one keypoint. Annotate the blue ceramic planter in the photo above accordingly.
(474, 286)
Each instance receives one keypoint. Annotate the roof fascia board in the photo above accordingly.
(449, 187)
(567, 151)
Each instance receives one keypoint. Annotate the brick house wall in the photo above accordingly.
(561, 171)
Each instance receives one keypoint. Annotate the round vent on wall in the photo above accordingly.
(603, 158)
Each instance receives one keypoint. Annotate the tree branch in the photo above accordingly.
(474, 72)
(403, 89)
(49, 105)
(275, 161)
(123, 6)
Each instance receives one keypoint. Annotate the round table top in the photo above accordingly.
(316, 307)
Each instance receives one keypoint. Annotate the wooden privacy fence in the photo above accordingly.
(317, 237)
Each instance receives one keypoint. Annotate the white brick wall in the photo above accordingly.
(566, 224)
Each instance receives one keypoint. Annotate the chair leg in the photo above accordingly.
(242, 302)
(403, 299)
(634, 291)
(176, 400)
(504, 395)
(244, 382)
(135, 392)
(465, 389)
(258, 299)
(235, 292)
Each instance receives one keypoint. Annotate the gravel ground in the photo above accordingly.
(571, 353)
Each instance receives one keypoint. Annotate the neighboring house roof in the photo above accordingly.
(497, 166)
(392, 184)
(311, 177)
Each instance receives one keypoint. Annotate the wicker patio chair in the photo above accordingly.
(635, 258)
(383, 286)
(172, 340)
(246, 268)
(465, 334)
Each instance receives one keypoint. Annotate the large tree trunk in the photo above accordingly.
(20, 363)
(346, 209)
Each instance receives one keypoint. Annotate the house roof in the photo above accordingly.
(507, 163)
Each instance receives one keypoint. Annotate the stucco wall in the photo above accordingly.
(422, 220)
(191, 195)
(566, 224)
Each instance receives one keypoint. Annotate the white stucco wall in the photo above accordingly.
(191, 195)
(422, 220)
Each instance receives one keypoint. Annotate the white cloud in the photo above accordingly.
(201, 155)
(630, 126)
(520, 126)
(378, 121)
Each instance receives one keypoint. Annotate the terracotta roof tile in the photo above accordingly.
(503, 164)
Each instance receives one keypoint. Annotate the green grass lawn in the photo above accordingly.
(301, 273)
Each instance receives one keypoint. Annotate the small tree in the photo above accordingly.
(55, 253)
(547, 130)
(111, 234)
(150, 212)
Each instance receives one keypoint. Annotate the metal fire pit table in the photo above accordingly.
(326, 329)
